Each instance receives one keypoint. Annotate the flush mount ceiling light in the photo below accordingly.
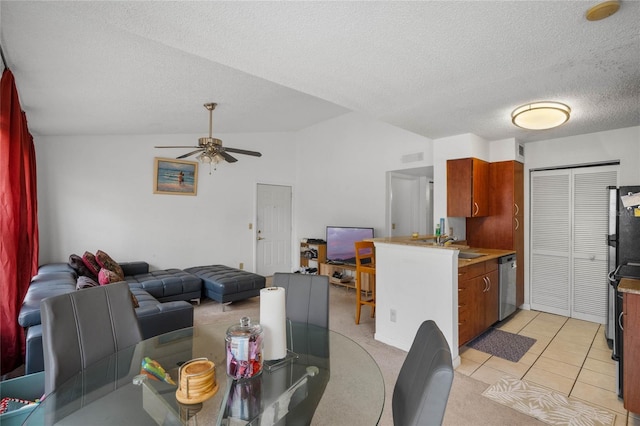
(603, 10)
(540, 115)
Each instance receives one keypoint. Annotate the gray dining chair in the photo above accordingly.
(307, 297)
(83, 327)
(424, 382)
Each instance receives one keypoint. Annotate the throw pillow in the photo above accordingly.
(85, 282)
(81, 269)
(105, 261)
(90, 261)
(134, 300)
(106, 276)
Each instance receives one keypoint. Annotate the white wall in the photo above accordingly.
(96, 192)
(341, 172)
(613, 145)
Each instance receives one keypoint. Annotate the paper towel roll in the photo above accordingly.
(273, 319)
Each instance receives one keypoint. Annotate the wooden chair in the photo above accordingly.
(365, 264)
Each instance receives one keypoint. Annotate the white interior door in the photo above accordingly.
(569, 214)
(273, 229)
(405, 204)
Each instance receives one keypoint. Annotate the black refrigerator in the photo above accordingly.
(623, 260)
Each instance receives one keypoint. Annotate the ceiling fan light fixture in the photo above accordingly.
(602, 10)
(540, 115)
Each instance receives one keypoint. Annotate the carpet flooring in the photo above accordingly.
(547, 405)
(502, 344)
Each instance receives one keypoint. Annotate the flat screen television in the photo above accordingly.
(340, 239)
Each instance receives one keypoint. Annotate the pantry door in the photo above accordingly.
(569, 217)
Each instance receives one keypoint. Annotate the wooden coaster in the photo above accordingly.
(199, 377)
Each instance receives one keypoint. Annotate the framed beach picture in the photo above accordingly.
(177, 177)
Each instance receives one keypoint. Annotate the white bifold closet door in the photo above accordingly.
(569, 216)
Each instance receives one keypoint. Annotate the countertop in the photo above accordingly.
(629, 285)
(429, 241)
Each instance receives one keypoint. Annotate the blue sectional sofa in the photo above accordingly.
(162, 297)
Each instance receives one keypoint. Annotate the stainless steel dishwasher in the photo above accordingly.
(507, 269)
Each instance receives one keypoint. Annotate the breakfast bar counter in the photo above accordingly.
(417, 280)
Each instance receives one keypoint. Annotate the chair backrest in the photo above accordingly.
(422, 389)
(307, 297)
(83, 327)
(365, 254)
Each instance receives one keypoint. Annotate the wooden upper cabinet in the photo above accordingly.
(467, 188)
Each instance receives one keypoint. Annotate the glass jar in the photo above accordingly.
(244, 349)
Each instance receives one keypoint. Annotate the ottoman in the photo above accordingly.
(225, 284)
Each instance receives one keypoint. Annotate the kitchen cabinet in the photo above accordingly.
(467, 187)
(504, 227)
(631, 338)
(478, 299)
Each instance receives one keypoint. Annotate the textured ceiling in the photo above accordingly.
(436, 68)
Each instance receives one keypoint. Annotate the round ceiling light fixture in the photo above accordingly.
(603, 10)
(540, 115)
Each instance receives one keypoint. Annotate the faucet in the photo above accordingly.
(441, 239)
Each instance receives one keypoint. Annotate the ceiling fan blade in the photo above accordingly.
(243, 151)
(227, 157)
(190, 153)
(178, 146)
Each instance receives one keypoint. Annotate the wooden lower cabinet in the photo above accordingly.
(631, 367)
(478, 299)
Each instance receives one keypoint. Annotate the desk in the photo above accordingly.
(347, 389)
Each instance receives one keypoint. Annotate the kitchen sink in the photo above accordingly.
(469, 255)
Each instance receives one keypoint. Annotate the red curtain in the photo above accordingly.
(18, 219)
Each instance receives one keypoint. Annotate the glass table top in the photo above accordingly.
(327, 379)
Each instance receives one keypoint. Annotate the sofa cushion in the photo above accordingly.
(85, 282)
(105, 276)
(81, 269)
(167, 285)
(90, 261)
(105, 261)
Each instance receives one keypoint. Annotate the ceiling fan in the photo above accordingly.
(210, 148)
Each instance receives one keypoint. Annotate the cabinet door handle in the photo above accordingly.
(489, 281)
(620, 321)
(486, 284)
(477, 209)
(517, 223)
(517, 209)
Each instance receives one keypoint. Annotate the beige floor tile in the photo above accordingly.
(557, 367)
(467, 367)
(541, 329)
(601, 367)
(603, 355)
(598, 396)
(551, 318)
(474, 355)
(564, 356)
(515, 369)
(621, 420)
(564, 346)
(512, 326)
(488, 375)
(597, 379)
(580, 337)
(549, 380)
(541, 342)
(529, 358)
(601, 343)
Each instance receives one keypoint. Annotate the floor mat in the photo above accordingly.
(547, 405)
(502, 344)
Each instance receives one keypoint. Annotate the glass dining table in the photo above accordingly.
(325, 379)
